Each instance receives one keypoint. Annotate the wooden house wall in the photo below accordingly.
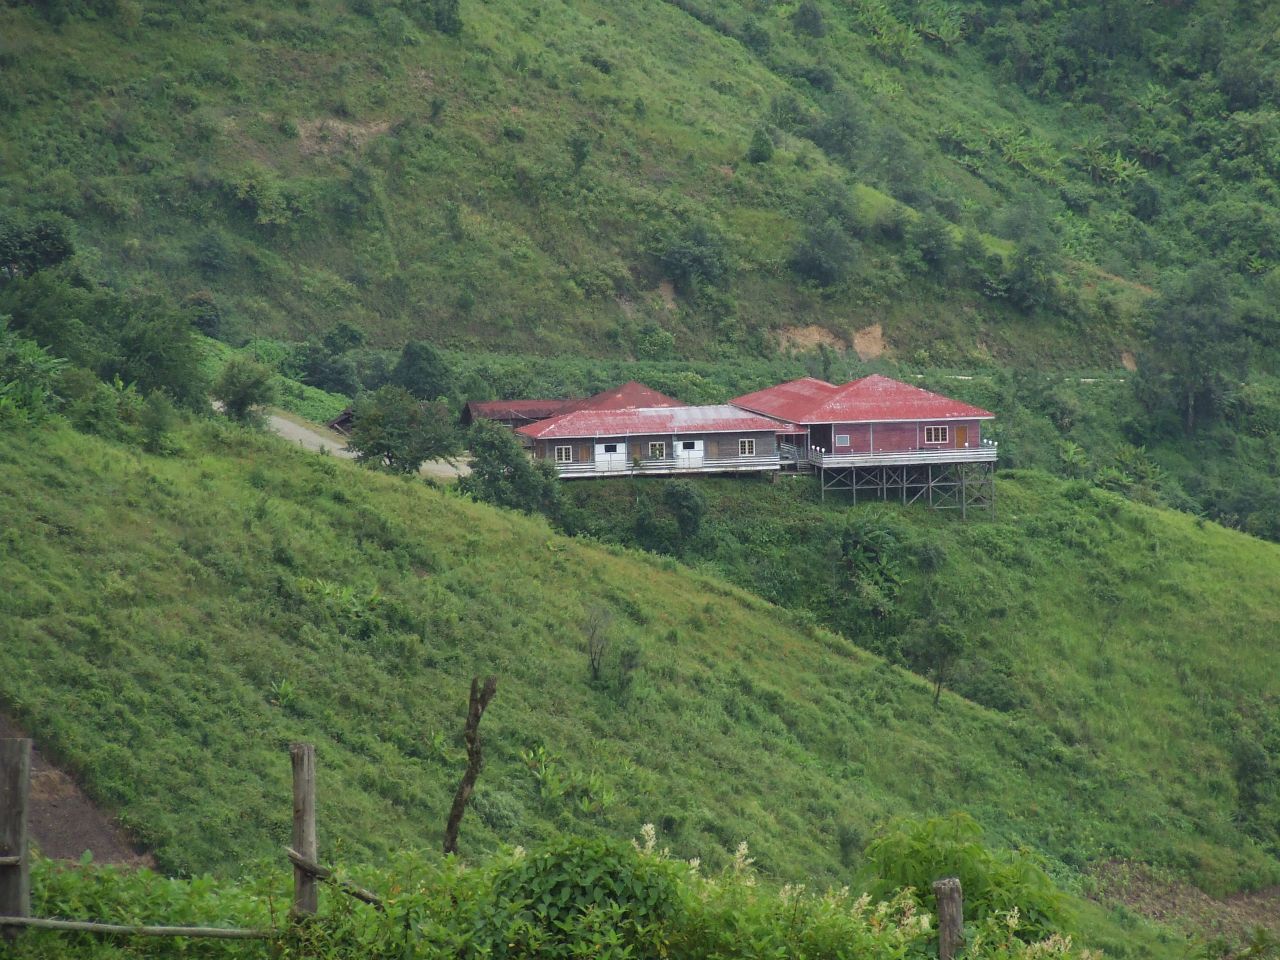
(891, 437)
(715, 445)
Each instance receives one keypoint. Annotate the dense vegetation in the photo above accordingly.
(597, 899)
(410, 204)
(979, 176)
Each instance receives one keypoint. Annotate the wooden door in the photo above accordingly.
(962, 437)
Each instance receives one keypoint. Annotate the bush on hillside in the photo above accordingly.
(568, 898)
(914, 853)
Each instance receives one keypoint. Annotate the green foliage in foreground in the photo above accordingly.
(570, 898)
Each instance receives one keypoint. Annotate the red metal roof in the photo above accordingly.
(873, 399)
(721, 418)
(786, 400)
(516, 409)
(632, 395)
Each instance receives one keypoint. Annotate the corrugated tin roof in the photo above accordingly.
(513, 409)
(786, 399)
(632, 395)
(720, 418)
(873, 399)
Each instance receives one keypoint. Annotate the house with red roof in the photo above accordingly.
(875, 420)
(656, 441)
(882, 437)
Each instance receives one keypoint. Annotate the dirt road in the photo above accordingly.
(320, 439)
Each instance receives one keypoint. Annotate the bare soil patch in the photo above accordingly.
(809, 338)
(868, 342)
(1129, 361)
(328, 135)
(667, 291)
(1187, 907)
(64, 823)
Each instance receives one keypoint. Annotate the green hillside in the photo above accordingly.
(984, 179)
(174, 622)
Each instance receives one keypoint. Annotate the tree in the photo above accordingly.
(392, 429)
(825, 253)
(28, 247)
(243, 386)
(808, 19)
(687, 505)
(422, 371)
(1196, 351)
(504, 475)
(761, 148)
(931, 235)
(695, 255)
(28, 376)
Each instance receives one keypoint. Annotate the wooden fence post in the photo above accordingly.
(15, 861)
(950, 916)
(305, 893)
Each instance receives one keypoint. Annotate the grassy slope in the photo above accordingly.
(175, 622)
(1132, 638)
(286, 159)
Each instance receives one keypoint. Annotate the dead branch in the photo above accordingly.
(480, 698)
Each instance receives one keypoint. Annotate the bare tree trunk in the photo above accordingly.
(480, 697)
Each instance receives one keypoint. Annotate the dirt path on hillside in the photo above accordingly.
(63, 822)
(320, 439)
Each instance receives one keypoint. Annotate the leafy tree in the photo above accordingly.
(28, 247)
(504, 475)
(394, 429)
(156, 348)
(316, 365)
(343, 337)
(688, 505)
(930, 234)
(825, 254)
(936, 651)
(1196, 352)
(158, 417)
(808, 19)
(697, 254)
(422, 371)
(1031, 282)
(243, 386)
(761, 148)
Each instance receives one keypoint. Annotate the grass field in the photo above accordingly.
(172, 617)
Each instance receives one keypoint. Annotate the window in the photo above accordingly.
(610, 448)
(746, 448)
(564, 454)
(657, 451)
(688, 445)
(935, 434)
(842, 439)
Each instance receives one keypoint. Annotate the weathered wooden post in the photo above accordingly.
(15, 861)
(305, 892)
(950, 916)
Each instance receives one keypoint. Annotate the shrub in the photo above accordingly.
(28, 375)
(761, 148)
(808, 20)
(914, 853)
